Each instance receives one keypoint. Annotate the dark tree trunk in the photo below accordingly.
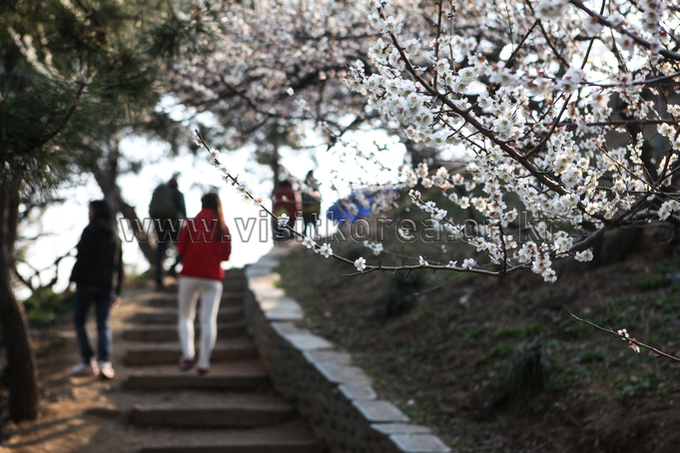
(141, 235)
(24, 395)
(276, 167)
(107, 178)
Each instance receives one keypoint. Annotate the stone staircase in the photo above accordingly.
(234, 409)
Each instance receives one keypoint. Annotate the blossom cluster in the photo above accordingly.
(626, 337)
(565, 126)
(536, 139)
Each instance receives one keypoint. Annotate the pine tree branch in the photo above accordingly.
(82, 83)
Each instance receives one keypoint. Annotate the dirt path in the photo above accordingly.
(86, 414)
(76, 410)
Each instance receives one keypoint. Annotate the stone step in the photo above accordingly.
(235, 274)
(249, 375)
(228, 285)
(227, 416)
(170, 300)
(225, 314)
(163, 332)
(290, 437)
(264, 446)
(161, 353)
(235, 286)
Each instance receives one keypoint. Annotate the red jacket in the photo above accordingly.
(201, 247)
(287, 200)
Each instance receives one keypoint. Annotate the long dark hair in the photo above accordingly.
(212, 201)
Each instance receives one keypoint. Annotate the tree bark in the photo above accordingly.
(24, 395)
(107, 179)
(141, 235)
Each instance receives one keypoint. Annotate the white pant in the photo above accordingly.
(189, 290)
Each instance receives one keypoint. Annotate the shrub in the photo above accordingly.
(400, 292)
(528, 373)
(43, 306)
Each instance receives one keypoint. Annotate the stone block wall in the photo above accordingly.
(309, 371)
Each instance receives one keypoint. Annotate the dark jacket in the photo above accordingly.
(100, 257)
(178, 199)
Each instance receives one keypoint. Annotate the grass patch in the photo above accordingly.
(570, 377)
(592, 356)
(500, 351)
(666, 275)
(632, 386)
(526, 331)
(576, 329)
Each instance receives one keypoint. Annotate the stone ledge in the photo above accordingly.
(336, 397)
(325, 356)
(280, 308)
(300, 339)
(357, 392)
(400, 428)
(380, 412)
(419, 443)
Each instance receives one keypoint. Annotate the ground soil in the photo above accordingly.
(498, 364)
(78, 414)
(489, 364)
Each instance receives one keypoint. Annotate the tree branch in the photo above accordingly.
(624, 337)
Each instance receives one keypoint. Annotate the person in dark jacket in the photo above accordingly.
(204, 243)
(98, 276)
(168, 230)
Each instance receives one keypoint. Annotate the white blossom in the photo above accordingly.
(550, 9)
(283, 220)
(585, 255)
(571, 80)
(667, 208)
(308, 242)
(468, 263)
(326, 250)
(376, 247)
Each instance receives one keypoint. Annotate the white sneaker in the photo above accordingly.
(84, 369)
(106, 370)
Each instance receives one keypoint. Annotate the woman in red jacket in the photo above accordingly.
(204, 243)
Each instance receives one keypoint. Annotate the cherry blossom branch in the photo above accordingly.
(618, 27)
(325, 249)
(623, 334)
(469, 118)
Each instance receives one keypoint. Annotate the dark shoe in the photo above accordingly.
(186, 364)
(203, 371)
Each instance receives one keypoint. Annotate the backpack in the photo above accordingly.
(162, 204)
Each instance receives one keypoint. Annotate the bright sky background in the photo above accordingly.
(60, 228)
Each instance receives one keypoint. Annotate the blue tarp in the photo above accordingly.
(340, 213)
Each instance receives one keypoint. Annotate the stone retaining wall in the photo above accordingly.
(336, 397)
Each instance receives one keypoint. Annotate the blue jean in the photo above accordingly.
(102, 299)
